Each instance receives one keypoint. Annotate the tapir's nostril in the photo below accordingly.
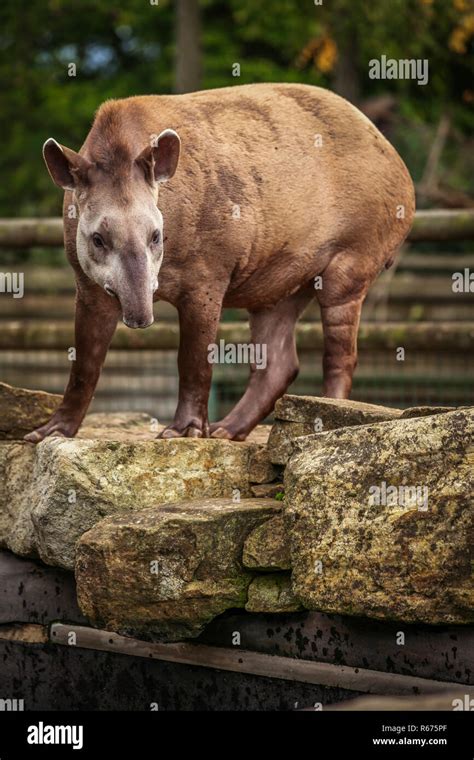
(109, 291)
(138, 323)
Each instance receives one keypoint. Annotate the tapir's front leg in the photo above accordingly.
(95, 323)
(198, 322)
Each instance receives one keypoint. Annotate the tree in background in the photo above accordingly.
(188, 46)
(137, 47)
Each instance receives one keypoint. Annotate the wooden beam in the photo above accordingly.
(441, 224)
(26, 233)
(435, 262)
(244, 661)
(436, 224)
(36, 334)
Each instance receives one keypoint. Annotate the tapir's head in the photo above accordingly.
(120, 229)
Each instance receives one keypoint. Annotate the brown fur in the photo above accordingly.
(304, 211)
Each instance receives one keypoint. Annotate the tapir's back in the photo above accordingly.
(272, 167)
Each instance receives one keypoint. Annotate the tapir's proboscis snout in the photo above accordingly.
(133, 281)
(255, 215)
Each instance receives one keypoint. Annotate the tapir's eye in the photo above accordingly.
(156, 237)
(97, 240)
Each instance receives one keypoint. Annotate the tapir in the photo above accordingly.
(261, 197)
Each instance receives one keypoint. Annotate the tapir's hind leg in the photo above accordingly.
(344, 286)
(275, 329)
(340, 327)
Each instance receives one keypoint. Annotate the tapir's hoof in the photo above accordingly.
(33, 437)
(37, 437)
(188, 432)
(169, 433)
(221, 432)
(192, 432)
(51, 430)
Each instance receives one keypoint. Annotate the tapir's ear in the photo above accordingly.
(159, 160)
(66, 167)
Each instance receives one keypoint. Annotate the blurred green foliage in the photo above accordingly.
(128, 48)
